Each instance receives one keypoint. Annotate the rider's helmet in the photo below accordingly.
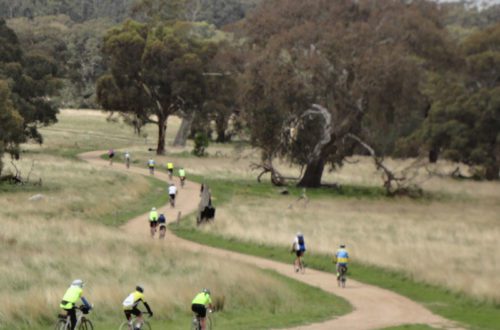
(342, 246)
(153, 209)
(78, 283)
(205, 290)
(299, 233)
(139, 288)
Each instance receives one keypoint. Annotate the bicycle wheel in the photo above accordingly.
(124, 326)
(60, 324)
(195, 324)
(146, 326)
(86, 325)
(209, 322)
(342, 280)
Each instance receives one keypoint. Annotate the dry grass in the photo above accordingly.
(453, 244)
(45, 244)
(43, 256)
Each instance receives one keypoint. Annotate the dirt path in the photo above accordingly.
(374, 308)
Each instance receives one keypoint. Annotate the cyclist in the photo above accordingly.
(130, 307)
(299, 247)
(127, 159)
(199, 305)
(151, 165)
(162, 222)
(182, 176)
(68, 302)
(342, 259)
(170, 169)
(172, 191)
(153, 221)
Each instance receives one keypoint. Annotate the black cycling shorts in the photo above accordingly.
(199, 309)
(152, 224)
(172, 196)
(133, 311)
(299, 253)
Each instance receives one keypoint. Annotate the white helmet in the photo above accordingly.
(78, 283)
(299, 233)
(153, 209)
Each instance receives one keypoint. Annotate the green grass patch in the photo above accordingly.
(224, 190)
(411, 327)
(452, 305)
(156, 196)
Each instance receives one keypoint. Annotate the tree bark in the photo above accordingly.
(433, 155)
(492, 172)
(313, 174)
(221, 123)
(162, 132)
(183, 132)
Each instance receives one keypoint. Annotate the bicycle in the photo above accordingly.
(163, 231)
(302, 266)
(151, 170)
(182, 179)
(298, 264)
(127, 163)
(82, 322)
(196, 322)
(171, 199)
(341, 278)
(126, 325)
(153, 229)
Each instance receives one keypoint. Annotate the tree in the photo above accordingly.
(323, 69)
(464, 122)
(220, 103)
(28, 81)
(155, 71)
(11, 124)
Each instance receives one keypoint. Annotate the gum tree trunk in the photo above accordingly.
(162, 131)
(312, 175)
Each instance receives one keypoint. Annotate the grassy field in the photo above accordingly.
(70, 232)
(248, 212)
(440, 250)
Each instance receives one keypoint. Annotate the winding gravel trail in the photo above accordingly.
(373, 307)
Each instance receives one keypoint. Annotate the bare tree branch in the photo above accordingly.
(327, 129)
(393, 184)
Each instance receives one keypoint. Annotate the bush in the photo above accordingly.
(200, 144)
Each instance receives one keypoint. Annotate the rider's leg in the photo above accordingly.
(128, 315)
(139, 320)
(72, 317)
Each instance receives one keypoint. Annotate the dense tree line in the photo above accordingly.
(310, 82)
(218, 12)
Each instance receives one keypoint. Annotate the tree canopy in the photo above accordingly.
(155, 70)
(27, 82)
(464, 122)
(323, 69)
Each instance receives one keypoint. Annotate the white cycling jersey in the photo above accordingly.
(172, 190)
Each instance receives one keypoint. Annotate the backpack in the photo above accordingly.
(302, 243)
